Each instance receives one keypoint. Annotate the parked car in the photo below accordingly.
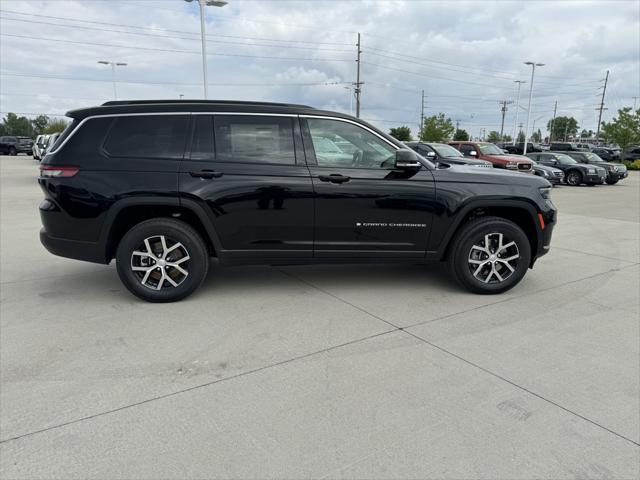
(615, 171)
(38, 147)
(141, 182)
(49, 143)
(554, 175)
(491, 153)
(518, 148)
(443, 153)
(632, 153)
(607, 154)
(568, 147)
(13, 145)
(575, 173)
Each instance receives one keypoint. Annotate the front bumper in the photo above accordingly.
(595, 178)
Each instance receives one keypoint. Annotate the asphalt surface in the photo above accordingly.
(325, 371)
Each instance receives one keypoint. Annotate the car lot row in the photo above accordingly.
(573, 167)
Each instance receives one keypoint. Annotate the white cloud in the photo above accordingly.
(464, 54)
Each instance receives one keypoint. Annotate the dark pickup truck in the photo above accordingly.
(13, 145)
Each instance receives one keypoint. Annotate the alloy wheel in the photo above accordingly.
(160, 262)
(493, 259)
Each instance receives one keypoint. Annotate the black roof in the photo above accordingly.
(147, 106)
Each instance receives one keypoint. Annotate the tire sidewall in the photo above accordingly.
(134, 238)
(575, 174)
(476, 234)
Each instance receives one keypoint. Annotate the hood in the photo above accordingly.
(467, 173)
(545, 168)
(509, 158)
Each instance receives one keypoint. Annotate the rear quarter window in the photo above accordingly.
(148, 136)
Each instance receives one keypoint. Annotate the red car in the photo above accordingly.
(499, 159)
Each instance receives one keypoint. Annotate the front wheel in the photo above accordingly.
(13, 152)
(489, 255)
(162, 260)
(574, 178)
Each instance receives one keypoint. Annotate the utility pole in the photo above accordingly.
(566, 127)
(520, 125)
(533, 72)
(555, 109)
(515, 123)
(504, 104)
(421, 117)
(604, 89)
(634, 102)
(358, 83)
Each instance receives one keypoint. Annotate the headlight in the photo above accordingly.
(591, 170)
(545, 192)
(545, 173)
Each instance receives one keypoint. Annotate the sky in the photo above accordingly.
(466, 56)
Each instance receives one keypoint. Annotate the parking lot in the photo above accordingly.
(325, 371)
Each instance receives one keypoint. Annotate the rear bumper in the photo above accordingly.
(87, 251)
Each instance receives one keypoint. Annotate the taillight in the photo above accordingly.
(51, 171)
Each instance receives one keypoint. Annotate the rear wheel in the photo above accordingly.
(489, 255)
(611, 182)
(574, 178)
(162, 260)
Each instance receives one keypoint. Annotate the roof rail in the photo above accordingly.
(201, 102)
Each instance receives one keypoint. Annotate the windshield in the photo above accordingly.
(490, 149)
(592, 157)
(564, 159)
(446, 151)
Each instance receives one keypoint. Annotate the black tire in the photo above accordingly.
(574, 178)
(175, 232)
(12, 151)
(473, 234)
(611, 182)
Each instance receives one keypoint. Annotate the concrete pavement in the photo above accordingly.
(325, 371)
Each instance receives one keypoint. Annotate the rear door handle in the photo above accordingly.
(206, 174)
(334, 178)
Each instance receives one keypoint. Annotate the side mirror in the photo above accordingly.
(473, 153)
(407, 160)
(431, 155)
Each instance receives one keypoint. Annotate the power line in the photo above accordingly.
(171, 31)
(174, 37)
(175, 50)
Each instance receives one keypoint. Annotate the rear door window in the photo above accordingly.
(466, 150)
(148, 136)
(254, 139)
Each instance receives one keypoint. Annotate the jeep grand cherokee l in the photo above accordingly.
(161, 186)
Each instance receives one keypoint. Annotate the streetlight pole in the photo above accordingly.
(113, 73)
(515, 124)
(202, 4)
(533, 71)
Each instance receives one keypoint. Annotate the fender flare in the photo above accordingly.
(472, 204)
(179, 203)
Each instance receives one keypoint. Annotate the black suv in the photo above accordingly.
(161, 186)
(575, 173)
(12, 145)
(615, 171)
(518, 148)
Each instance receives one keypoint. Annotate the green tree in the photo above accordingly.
(623, 130)
(520, 137)
(55, 126)
(401, 133)
(563, 127)
(536, 136)
(507, 138)
(15, 125)
(461, 135)
(494, 137)
(437, 128)
(39, 124)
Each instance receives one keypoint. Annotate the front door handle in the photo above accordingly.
(334, 178)
(206, 174)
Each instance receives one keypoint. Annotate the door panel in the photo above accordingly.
(368, 211)
(259, 199)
